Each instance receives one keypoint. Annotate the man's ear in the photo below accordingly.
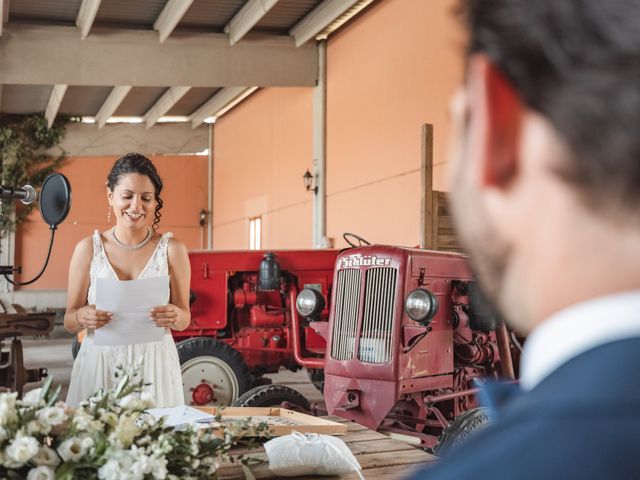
(495, 103)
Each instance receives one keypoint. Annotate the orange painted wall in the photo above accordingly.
(389, 71)
(261, 150)
(184, 195)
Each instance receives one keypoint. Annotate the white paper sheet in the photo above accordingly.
(130, 301)
(175, 416)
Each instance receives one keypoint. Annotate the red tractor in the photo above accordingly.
(244, 322)
(407, 337)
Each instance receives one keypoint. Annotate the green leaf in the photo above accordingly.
(54, 396)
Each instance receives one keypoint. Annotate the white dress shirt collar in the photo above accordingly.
(576, 329)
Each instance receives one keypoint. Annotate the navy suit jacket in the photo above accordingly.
(581, 422)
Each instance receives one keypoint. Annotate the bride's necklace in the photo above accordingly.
(132, 247)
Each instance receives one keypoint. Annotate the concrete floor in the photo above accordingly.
(55, 355)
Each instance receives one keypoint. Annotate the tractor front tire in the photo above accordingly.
(213, 373)
(462, 427)
(273, 396)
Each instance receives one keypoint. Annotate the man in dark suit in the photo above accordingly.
(546, 180)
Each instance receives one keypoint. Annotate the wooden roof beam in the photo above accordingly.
(57, 56)
(57, 94)
(86, 16)
(221, 102)
(164, 104)
(318, 19)
(111, 104)
(170, 16)
(248, 16)
(4, 13)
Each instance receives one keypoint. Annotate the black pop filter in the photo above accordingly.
(55, 202)
(55, 199)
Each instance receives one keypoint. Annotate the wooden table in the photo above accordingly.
(379, 456)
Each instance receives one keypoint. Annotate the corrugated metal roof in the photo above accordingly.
(128, 13)
(51, 11)
(139, 101)
(22, 99)
(285, 14)
(83, 101)
(212, 15)
(192, 100)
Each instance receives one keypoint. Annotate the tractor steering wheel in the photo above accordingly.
(350, 238)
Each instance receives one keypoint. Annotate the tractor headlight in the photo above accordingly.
(421, 305)
(309, 303)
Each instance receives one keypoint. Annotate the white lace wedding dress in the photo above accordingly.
(95, 365)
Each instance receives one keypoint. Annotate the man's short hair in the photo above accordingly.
(577, 62)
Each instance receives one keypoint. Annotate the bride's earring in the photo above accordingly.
(109, 215)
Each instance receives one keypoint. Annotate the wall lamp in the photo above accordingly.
(309, 181)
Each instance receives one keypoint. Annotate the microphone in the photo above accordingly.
(26, 194)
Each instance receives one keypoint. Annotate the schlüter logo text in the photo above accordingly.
(364, 261)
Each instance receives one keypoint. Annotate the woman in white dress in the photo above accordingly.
(132, 249)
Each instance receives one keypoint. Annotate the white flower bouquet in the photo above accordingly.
(110, 436)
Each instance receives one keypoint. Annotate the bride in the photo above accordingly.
(132, 249)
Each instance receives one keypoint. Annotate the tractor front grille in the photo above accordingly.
(346, 314)
(377, 323)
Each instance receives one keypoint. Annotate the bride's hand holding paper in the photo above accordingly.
(89, 317)
(165, 315)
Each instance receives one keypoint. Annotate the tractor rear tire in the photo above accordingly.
(273, 396)
(316, 376)
(213, 373)
(460, 429)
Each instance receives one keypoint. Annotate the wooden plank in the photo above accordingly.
(447, 241)
(404, 457)
(426, 188)
(386, 473)
(446, 221)
(363, 435)
(435, 212)
(281, 421)
(379, 446)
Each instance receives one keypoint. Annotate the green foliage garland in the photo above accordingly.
(24, 140)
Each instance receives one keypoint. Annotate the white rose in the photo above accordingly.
(110, 470)
(81, 420)
(126, 431)
(8, 411)
(34, 428)
(88, 444)
(148, 399)
(110, 418)
(41, 473)
(21, 450)
(46, 456)
(96, 426)
(32, 398)
(52, 416)
(130, 402)
(73, 449)
(119, 467)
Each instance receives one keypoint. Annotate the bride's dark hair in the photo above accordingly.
(137, 163)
